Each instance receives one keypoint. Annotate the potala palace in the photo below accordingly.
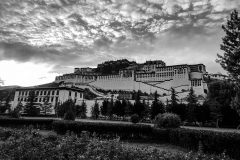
(148, 77)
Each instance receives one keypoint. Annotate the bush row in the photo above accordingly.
(30, 145)
(208, 141)
(123, 130)
(19, 123)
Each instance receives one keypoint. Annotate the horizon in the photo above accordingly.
(40, 40)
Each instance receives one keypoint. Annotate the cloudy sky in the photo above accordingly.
(40, 39)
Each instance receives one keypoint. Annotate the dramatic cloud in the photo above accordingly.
(69, 33)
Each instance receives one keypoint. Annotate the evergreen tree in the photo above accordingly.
(81, 110)
(110, 108)
(95, 110)
(138, 107)
(65, 107)
(31, 107)
(46, 106)
(192, 105)
(174, 100)
(157, 106)
(104, 107)
(231, 46)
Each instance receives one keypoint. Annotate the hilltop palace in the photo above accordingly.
(148, 77)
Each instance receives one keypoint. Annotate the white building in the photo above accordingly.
(51, 94)
(148, 77)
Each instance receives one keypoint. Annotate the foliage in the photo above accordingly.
(113, 67)
(95, 110)
(230, 46)
(212, 141)
(167, 120)
(135, 118)
(118, 108)
(21, 123)
(30, 145)
(156, 107)
(179, 109)
(69, 115)
(138, 107)
(67, 106)
(219, 101)
(46, 107)
(174, 100)
(15, 113)
(81, 110)
(104, 107)
(123, 130)
(31, 106)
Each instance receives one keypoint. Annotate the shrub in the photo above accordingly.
(167, 120)
(123, 130)
(135, 118)
(69, 116)
(28, 145)
(15, 113)
(215, 142)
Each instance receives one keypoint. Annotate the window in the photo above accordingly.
(52, 99)
(45, 92)
(53, 92)
(57, 92)
(56, 99)
(75, 94)
(18, 99)
(49, 92)
(40, 99)
(70, 94)
(40, 92)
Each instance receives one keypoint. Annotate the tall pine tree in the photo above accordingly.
(231, 46)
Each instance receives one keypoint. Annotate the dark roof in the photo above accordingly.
(50, 86)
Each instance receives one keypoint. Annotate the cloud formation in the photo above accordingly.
(71, 33)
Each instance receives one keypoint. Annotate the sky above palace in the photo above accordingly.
(40, 39)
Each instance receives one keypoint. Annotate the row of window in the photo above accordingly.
(165, 74)
(70, 94)
(41, 99)
(196, 83)
(41, 92)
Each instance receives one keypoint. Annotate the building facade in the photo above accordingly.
(47, 96)
(148, 77)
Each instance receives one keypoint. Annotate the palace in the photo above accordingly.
(148, 77)
(48, 94)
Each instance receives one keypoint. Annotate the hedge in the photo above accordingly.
(19, 123)
(125, 131)
(210, 141)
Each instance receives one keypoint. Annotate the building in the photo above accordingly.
(50, 94)
(148, 77)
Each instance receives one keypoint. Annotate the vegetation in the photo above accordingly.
(81, 110)
(135, 118)
(95, 110)
(157, 106)
(167, 120)
(31, 106)
(113, 67)
(28, 145)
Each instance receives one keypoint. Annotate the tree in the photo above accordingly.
(118, 109)
(231, 46)
(231, 56)
(95, 110)
(31, 107)
(191, 107)
(174, 100)
(81, 110)
(156, 107)
(104, 107)
(46, 106)
(67, 106)
(138, 107)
